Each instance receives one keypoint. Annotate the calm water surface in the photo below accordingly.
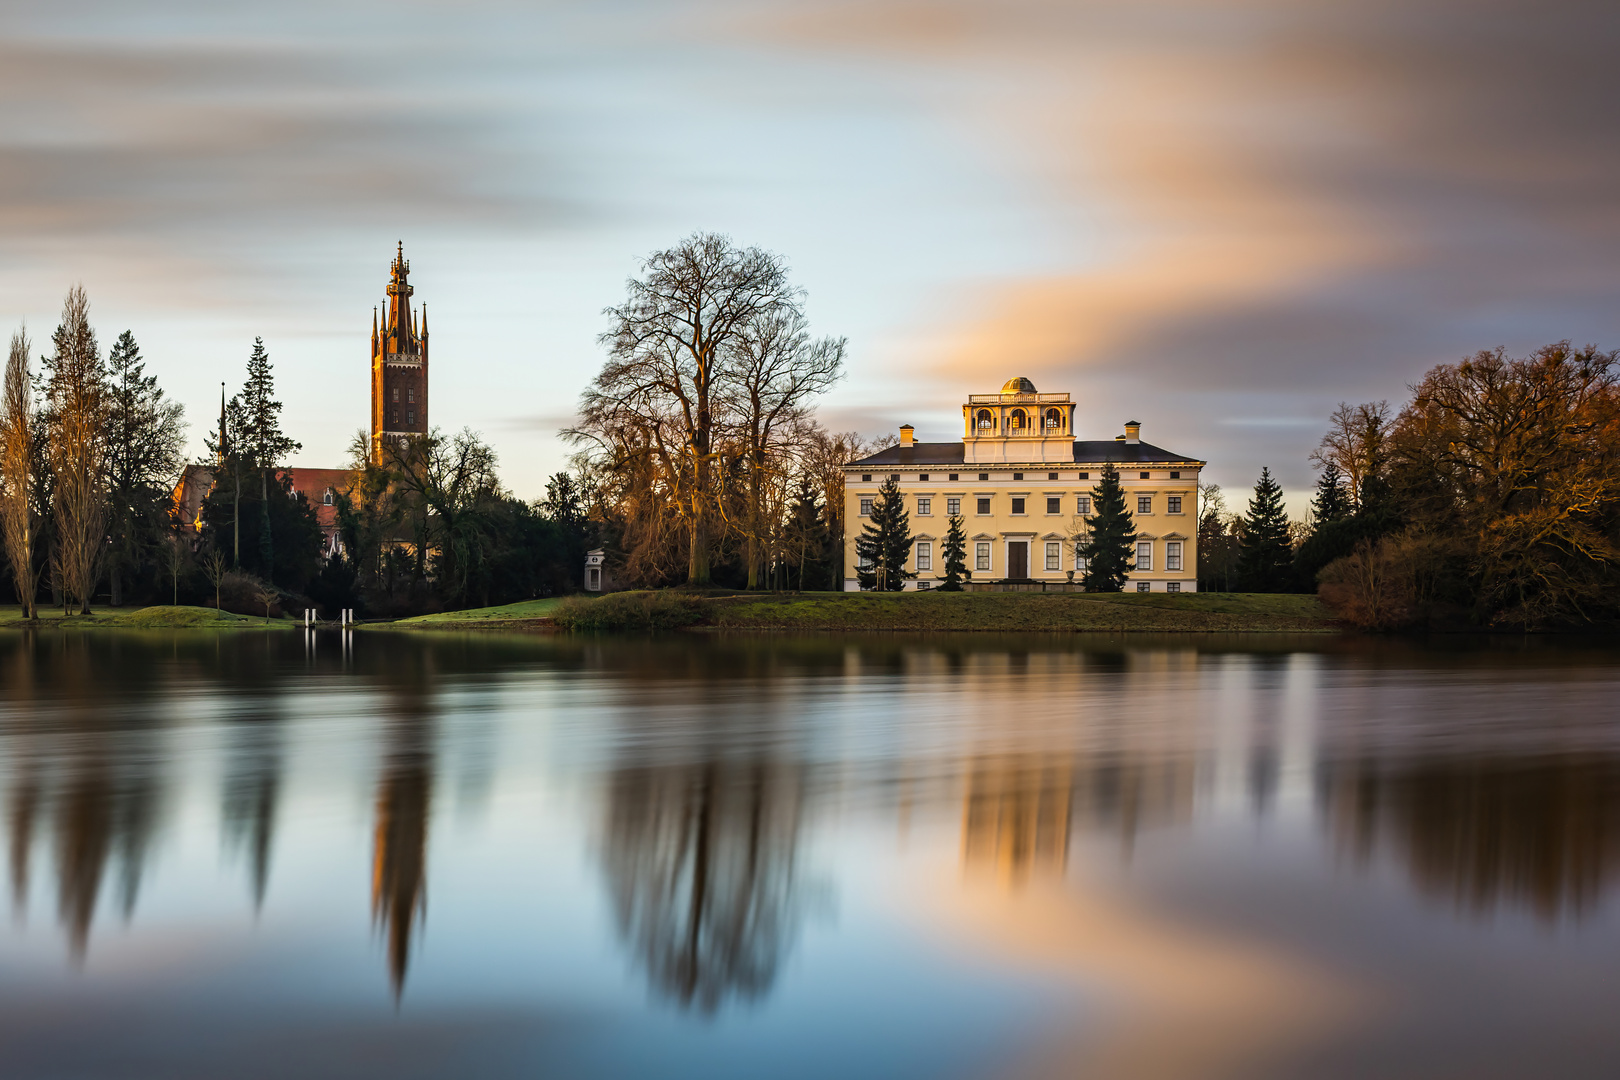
(478, 856)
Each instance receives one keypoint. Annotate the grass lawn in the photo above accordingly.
(1042, 612)
(159, 617)
(522, 611)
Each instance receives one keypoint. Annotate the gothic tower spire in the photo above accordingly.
(399, 371)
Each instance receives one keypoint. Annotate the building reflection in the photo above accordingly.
(1020, 811)
(700, 860)
(1541, 834)
(399, 840)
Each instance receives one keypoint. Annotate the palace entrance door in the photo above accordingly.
(1017, 559)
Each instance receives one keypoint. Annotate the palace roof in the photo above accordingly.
(1087, 451)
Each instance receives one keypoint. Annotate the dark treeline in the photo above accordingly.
(91, 450)
(1492, 498)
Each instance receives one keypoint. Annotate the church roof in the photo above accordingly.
(1087, 451)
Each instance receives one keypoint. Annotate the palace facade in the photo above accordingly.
(1023, 485)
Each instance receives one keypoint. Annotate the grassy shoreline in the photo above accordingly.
(157, 617)
(897, 612)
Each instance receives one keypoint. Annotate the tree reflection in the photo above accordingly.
(1540, 833)
(700, 859)
(399, 851)
(252, 792)
(105, 810)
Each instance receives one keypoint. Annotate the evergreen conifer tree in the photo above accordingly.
(954, 552)
(1265, 556)
(255, 426)
(145, 435)
(807, 541)
(1110, 546)
(1332, 502)
(885, 542)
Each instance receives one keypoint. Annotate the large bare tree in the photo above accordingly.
(777, 368)
(76, 393)
(1356, 443)
(16, 482)
(670, 343)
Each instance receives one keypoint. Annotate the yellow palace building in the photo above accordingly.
(1023, 485)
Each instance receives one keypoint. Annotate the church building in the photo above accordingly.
(1023, 485)
(399, 364)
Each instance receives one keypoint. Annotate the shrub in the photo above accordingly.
(642, 610)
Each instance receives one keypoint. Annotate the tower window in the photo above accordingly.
(410, 394)
(410, 416)
(396, 416)
(396, 395)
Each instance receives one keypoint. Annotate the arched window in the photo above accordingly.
(985, 421)
(1018, 421)
(326, 499)
(1054, 419)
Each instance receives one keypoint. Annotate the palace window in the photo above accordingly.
(895, 477)
(866, 506)
(922, 476)
(1144, 476)
(925, 555)
(865, 562)
(925, 507)
(1080, 560)
(953, 476)
(1054, 555)
(985, 420)
(1018, 476)
(1144, 504)
(1144, 556)
(1054, 505)
(1018, 506)
(1054, 419)
(953, 507)
(984, 506)
(924, 586)
(1085, 476)
(866, 478)
(1051, 476)
(981, 555)
(410, 417)
(1172, 504)
(1175, 476)
(1082, 505)
(1172, 555)
(984, 476)
(1144, 586)
(1172, 586)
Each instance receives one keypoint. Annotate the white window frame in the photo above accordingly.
(1172, 504)
(925, 555)
(1172, 555)
(982, 506)
(1172, 586)
(866, 506)
(981, 555)
(1144, 504)
(1082, 505)
(953, 507)
(1144, 556)
(1080, 561)
(1054, 555)
(1144, 586)
(925, 506)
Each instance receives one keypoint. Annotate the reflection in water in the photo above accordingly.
(700, 860)
(252, 787)
(1019, 810)
(106, 809)
(399, 852)
(1543, 833)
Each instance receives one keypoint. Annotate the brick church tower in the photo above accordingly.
(399, 364)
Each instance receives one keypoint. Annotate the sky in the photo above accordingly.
(1220, 219)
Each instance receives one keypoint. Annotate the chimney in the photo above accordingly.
(1133, 431)
(905, 434)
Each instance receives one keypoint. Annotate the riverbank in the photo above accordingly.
(673, 609)
(160, 617)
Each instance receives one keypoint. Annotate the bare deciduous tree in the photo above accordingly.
(16, 482)
(76, 395)
(1355, 443)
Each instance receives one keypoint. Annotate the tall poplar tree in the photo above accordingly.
(18, 525)
(76, 411)
(954, 551)
(1265, 556)
(885, 542)
(1110, 546)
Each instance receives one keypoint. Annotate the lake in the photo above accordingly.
(407, 855)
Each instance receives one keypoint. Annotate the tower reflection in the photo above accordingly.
(700, 860)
